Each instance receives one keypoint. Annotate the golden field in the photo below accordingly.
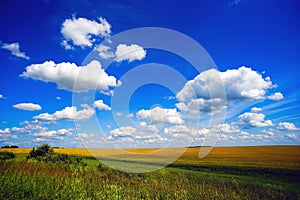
(285, 157)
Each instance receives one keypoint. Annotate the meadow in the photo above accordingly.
(264, 172)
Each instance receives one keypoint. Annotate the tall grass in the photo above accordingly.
(29, 179)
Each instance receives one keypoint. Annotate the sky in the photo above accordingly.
(93, 74)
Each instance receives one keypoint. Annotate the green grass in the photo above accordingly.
(223, 174)
(21, 179)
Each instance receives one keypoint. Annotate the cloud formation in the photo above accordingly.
(66, 74)
(27, 106)
(276, 96)
(14, 48)
(129, 52)
(160, 115)
(101, 105)
(125, 131)
(123, 52)
(52, 135)
(212, 90)
(104, 52)
(68, 113)
(250, 120)
(80, 31)
(287, 126)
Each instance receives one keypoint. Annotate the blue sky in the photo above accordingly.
(250, 98)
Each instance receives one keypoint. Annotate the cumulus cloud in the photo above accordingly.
(68, 113)
(129, 52)
(250, 120)
(148, 127)
(213, 89)
(30, 127)
(66, 45)
(104, 51)
(66, 74)
(292, 136)
(176, 129)
(287, 126)
(101, 105)
(203, 105)
(268, 132)
(256, 110)
(2, 96)
(160, 115)
(125, 131)
(276, 96)
(28, 106)
(5, 131)
(123, 52)
(52, 135)
(14, 48)
(143, 124)
(81, 31)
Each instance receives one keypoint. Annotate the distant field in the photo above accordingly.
(283, 157)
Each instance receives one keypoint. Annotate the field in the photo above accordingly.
(263, 172)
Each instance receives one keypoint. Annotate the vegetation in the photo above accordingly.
(62, 176)
(4, 155)
(40, 151)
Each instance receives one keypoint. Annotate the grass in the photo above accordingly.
(271, 172)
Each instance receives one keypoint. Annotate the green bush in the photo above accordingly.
(42, 150)
(4, 155)
(64, 159)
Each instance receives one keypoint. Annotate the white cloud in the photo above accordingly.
(161, 115)
(287, 126)
(104, 51)
(119, 114)
(54, 133)
(28, 106)
(5, 131)
(256, 110)
(101, 106)
(276, 96)
(66, 74)
(130, 53)
(250, 120)
(85, 136)
(58, 98)
(204, 105)
(143, 124)
(81, 30)
(14, 48)
(268, 132)
(130, 115)
(123, 52)
(149, 127)
(108, 92)
(225, 128)
(176, 129)
(66, 45)
(68, 113)
(45, 116)
(30, 127)
(292, 136)
(212, 88)
(2, 96)
(124, 131)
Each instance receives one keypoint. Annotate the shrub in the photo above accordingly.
(101, 167)
(43, 150)
(4, 155)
